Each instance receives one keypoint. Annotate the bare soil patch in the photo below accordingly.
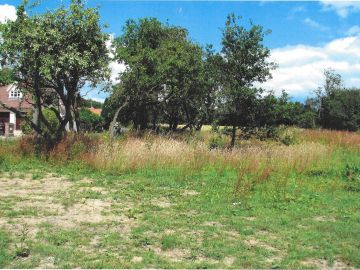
(174, 255)
(44, 196)
(161, 202)
(323, 264)
(190, 193)
(256, 243)
(18, 187)
(324, 219)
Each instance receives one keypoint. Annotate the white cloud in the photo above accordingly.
(115, 67)
(98, 99)
(354, 30)
(342, 8)
(315, 24)
(7, 12)
(301, 67)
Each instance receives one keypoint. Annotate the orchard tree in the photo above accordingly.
(162, 77)
(136, 48)
(53, 55)
(244, 62)
(6, 76)
(180, 67)
(338, 107)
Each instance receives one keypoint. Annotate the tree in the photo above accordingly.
(341, 110)
(337, 106)
(162, 77)
(245, 61)
(6, 76)
(90, 103)
(137, 49)
(273, 111)
(180, 67)
(53, 55)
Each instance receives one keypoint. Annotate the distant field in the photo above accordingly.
(155, 202)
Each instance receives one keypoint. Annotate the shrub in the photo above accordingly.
(287, 136)
(90, 121)
(2, 162)
(26, 128)
(27, 145)
(74, 146)
(217, 142)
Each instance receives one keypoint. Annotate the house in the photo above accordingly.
(12, 97)
(95, 110)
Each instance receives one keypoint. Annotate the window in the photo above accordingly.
(15, 94)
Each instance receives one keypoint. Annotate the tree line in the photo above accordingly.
(168, 79)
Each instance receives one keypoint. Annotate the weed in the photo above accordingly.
(352, 174)
(22, 248)
(217, 142)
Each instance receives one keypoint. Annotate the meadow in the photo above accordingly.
(182, 201)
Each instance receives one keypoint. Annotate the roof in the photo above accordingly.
(18, 103)
(95, 110)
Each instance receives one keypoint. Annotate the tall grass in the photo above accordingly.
(134, 154)
(252, 162)
(257, 160)
(332, 137)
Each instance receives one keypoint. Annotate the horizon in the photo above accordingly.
(307, 37)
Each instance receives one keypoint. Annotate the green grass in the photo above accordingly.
(166, 218)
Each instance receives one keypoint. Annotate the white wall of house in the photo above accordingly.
(12, 119)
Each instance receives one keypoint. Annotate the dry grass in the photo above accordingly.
(332, 137)
(158, 152)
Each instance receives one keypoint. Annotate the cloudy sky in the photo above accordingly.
(306, 37)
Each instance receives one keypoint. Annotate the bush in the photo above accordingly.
(287, 136)
(74, 146)
(217, 142)
(27, 145)
(2, 162)
(26, 128)
(90, 121)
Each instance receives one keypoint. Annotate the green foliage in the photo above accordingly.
(53, 121)
(88, 103)
(2, 161)
(90, 121)
(352, 174)
(26, 128)
(53, 55)
(4, 248)
(217, 141)
(337, 107)
(244, 62)
(288, 136)
(341, 110)
(167, 79)
(50, 116)
(6, 76)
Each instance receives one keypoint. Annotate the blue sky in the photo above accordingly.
(306, 37)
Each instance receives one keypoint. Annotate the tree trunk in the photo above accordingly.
(112, 131)
(174, 126)
(198, 127)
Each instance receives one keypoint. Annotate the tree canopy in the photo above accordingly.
(53, 55)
